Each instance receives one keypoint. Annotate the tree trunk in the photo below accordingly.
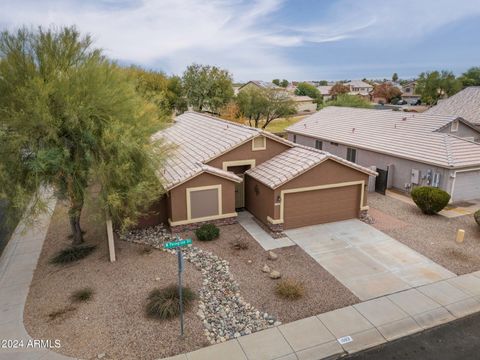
(74, 214)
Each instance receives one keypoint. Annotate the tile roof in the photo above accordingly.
(324, 89)
(292, 163)
(407, 135)
(263, 84)
(465, 103)
(299, 98)
(358, 83)
(198, 138)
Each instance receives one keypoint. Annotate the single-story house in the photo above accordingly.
(325, 91)
(304, 104)
(217, 168)
(406, 149)
(465, 103)
(260, 84)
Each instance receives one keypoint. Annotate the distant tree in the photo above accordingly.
(165, 93)
(175, 95)
(264, 106)
(471, 77)
(346, 100)
(71, 118)
(207, 88)
(387, 91)
(323, 83)
(435, 85)
(395, 77)
(306, 89)
(231, 112)
(284, 83)
(276, 82)
(338, 89)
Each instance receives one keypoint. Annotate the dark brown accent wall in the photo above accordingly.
(244, 152)
(158, 214)
(179, 201)
(261, 202)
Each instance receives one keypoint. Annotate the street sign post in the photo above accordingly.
(177, 245)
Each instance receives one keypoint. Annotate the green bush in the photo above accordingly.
(82, 295)
(165, 303)
(290, 289)
(71, 254)
(207, 232)
(429, 199)
(476, 216)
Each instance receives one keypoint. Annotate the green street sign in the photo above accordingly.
(174, 244)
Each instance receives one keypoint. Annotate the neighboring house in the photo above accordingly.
(325, 91)
(304, 104)
(260, 84)
(465, 103)
(359, 87)
(217, 168)
(406, 149)
(408, 93)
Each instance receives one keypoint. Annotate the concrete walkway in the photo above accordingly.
(367, 261)
(17, 265)
(259, 234)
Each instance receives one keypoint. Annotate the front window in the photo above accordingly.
(294, 138)
(351, 155)
(318, 145)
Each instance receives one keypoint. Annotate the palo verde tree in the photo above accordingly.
(207, 88)
(435, 85)
(69, 119)
(262, 106)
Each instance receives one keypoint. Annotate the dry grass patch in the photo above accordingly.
(72, 254)
(164, 303)
(82, 295)
(290, 289)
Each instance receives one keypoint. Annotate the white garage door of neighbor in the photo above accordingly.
(467, 186)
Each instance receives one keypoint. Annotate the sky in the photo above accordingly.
(267, 39)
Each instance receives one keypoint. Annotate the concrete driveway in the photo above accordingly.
(365, 260)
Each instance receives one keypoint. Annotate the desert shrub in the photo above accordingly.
(207, 232)
(61, 313)
(429, 199)
(71, 254)
(164, 303)
(239, 243)
(476, 216)
(82, 295)
(290, 289)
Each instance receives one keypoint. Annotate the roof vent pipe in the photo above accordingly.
(404, 118)
(353, 130)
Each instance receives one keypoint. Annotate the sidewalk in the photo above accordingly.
(356, 327)
(266, 241)
(17, 265)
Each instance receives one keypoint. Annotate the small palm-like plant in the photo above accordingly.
(72, 254)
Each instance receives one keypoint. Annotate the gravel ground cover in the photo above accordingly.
(432, 236)
(113, 323)
(322, 291)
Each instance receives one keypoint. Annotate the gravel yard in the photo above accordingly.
(432, 236)
(113, 323)
(322, 291)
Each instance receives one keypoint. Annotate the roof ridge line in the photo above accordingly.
(448, 150)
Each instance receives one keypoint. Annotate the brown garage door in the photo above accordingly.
(321, 206)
